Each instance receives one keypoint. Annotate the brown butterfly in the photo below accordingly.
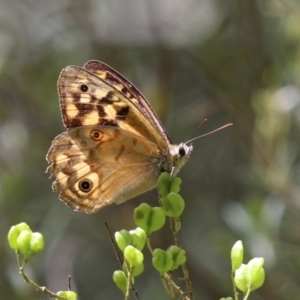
(115, 146)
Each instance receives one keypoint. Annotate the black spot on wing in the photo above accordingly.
(101, 111)
(84, 108)
(73, 122)
(93, 98)
(122, 113)
(76, 97)
(105, 100)
(108, 122)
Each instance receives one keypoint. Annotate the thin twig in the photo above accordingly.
(120, 260)
(175, 226)
(129, 283)
(36, 286)
(175, 287)
(69, 282)
(235, 292)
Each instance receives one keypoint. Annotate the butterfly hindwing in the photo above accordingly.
(88, 161)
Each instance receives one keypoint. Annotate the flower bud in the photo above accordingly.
(256, 273)
(14, 233)
(30, 243)
(241, 278)
(67, 294)
(36, 243)
(23, 243)
(237, 254)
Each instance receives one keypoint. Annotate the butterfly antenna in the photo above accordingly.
(196, 129)
(211, 132)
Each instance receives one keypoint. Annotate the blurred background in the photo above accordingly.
(228, 61)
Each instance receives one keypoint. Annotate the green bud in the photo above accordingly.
(138, 269)
(241, 278)
(251, 275)
(67, 294)
(23, 243)
(120, 280)
(138, 238)
(256, 273)
(237, 254)
(149, 218)
(133, 256)
(178, 256)
(173, 205)
(175, 185)
(36, 243)
(162, 261)
(123, 239)
(14, 233)
(30, 243)
(164, 184)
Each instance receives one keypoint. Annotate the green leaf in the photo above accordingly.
(133, 256)
(139, 238)
(162, 261)
(149, 218)
(178, 256)
(173, 205)
(164, 184)
(120, 280)
(123, 239)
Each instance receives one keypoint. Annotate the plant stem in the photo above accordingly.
(175, 287)
(36, 286)
(235, 292)
(175, 226)
(129, 282)
(248, 293)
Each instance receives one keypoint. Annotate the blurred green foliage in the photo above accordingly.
(228, 61)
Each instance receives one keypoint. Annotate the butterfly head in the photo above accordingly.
(180, 155)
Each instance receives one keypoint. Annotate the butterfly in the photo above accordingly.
(115, 146)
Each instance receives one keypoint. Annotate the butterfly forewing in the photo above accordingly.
(86, 99)
(123, 85)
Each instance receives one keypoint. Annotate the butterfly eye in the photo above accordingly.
(85, 185)
(96, 135)
(84, 88)
(181, 152)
